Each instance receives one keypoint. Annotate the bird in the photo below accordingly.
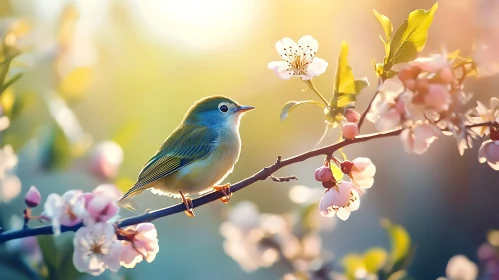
(197, 156)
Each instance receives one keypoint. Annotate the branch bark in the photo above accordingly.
(210, 197)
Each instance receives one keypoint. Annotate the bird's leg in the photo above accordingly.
(188, 205)
(225, 189)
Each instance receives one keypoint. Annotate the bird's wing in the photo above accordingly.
(185, 145)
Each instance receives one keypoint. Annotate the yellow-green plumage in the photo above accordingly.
(198, 154)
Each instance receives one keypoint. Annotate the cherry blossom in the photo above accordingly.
(33, 197)
(489, 152)
(417, 139)
(106, 158)
(101, 205)
(432, 64)
(485, 114)
(10, 185)
(96, 249)
(460, 267)
(340, 200)
(67, 210)
(437, 97)
(361, 171)
(141, 243)
(299, 59)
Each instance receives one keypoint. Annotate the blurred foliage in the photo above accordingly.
(58, 259)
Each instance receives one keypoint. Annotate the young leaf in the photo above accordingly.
(410, 37)
(345, 81)
(337, 173)
(387, 26)
(400, 240)
(385, 23)
(288, 107)
(374, 259)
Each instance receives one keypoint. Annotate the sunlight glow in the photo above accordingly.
(197, 23)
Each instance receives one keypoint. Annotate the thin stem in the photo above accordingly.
(311, 85)
(214, 196)
(364, 114)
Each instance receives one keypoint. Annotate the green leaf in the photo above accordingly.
(361, 84)
(288, 107)
(387, 26)
(49, 253)
(337, 173)
(345, 81)
(10, 82)
(400, 241)
(374, 259)
(410, 37)
(385, 23)
(346, 87)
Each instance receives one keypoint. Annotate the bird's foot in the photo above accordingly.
(225, 189)
(188, 205)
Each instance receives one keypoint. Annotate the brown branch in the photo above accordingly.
(210, 197)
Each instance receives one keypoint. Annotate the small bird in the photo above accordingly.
(197, 156)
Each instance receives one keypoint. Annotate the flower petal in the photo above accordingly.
(281, 69)
(286, 46)
(308, 42)
(343, 213)
(315, 68)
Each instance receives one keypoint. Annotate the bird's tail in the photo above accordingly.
(126, 200)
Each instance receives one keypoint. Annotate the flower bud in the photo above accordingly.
(405, 74)
(105, 159)
(410, 84)
(328, 184)
(33, 197)
(346, 167)
(352, 115)
(422, 84)
(323, 174)
(350, 130)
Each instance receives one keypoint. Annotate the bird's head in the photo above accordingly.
(216, 111)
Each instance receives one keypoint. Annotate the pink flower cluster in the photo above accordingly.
(99, 244)
(342, 197)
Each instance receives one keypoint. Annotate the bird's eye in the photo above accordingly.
(223, 108)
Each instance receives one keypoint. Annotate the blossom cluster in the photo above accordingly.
(99, 244)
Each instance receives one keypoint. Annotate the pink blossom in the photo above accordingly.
(389, 118)
(143, 244)
(418, 138)
(432, 64)
(352, 115)
(460, 267)
(101, 205)
(323, 174)
(485, 114)
(96, 249)
(106, 158)
(489, 152)
(437, 97)
(350, 130)
(33, 197)
(340, 200)
(66, 210)
(362, 172)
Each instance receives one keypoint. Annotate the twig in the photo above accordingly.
(202, 200)
(364, 114)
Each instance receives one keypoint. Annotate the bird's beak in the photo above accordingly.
(243, 108)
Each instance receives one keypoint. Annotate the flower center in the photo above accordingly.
(96, 248)
(70, 213)
(298, 59)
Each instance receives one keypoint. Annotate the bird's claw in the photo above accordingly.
(225, 189)
(188, 205)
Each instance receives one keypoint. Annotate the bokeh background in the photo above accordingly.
(143, 63)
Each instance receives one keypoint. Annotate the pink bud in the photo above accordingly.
(422, 84)
(406, 74)
(352, 115)
(33, 197)
(350, 130)
(410, 84)
(446, 75)
(437, 97)
(323, 174)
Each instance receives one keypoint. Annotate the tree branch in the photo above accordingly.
(260, 176)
